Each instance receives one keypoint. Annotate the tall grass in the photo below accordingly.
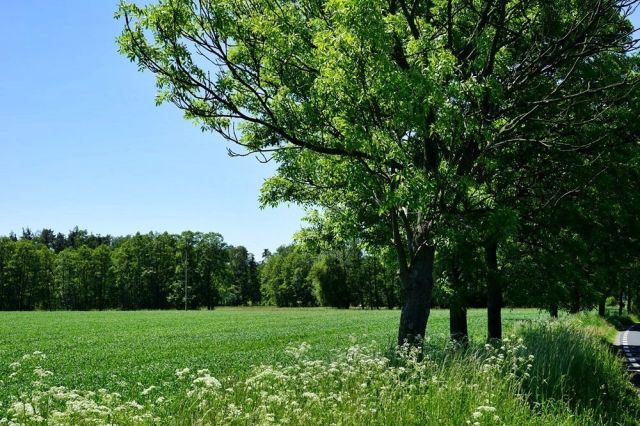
(574, 364)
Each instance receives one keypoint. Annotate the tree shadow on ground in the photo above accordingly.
(620, 322)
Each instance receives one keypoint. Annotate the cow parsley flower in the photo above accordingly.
(182, 373)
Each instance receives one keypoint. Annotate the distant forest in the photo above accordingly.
(82, 271)
(45, 270)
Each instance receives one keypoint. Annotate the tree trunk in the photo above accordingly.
(620, 302)
(576, 300)
(602, 306)
(458, 327)
(553, 310)
(417, 284)
(628, 299)
(494, 293)
(458, 323)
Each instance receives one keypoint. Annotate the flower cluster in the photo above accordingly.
(357, 385)
(58, 405)
(510, 358)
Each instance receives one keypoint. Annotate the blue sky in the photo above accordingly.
(81, 142)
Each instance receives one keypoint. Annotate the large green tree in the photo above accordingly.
(392, 115)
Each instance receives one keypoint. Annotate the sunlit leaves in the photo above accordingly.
(373, 108)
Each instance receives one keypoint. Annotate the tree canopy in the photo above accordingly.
(407, 122)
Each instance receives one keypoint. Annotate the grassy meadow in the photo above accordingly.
(100, 349)
(297, 366)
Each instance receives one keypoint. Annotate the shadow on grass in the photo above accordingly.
(620, 322)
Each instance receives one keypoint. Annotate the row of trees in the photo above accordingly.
(152, 271)
(83, 271)
(149, 272)
(491, 144)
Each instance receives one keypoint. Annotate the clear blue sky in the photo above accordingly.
(81, 142)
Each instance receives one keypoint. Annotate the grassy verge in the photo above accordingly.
(358, 387)
(606, 329)
(548, 373)
(575, 365)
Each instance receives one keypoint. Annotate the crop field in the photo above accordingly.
(128, 351)
(96, 349)
(250, 366)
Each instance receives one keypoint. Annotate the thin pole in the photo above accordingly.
(186, 268)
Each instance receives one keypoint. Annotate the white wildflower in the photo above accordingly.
(310, 395)
(148, 390)
(23, 408)
(208, 381)
(234, 410)
(40, 372)
(182, 373)
(134, 404)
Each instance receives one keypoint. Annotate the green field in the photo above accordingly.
(251, 366)
(126, 351)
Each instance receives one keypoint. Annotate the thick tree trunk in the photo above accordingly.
(458, 327)
(494, 293)
(417, 283)
(602, 306)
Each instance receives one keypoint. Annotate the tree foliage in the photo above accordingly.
(401, 119)
(141, 271)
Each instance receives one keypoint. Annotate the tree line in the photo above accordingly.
(142, 271)
(83, 271)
